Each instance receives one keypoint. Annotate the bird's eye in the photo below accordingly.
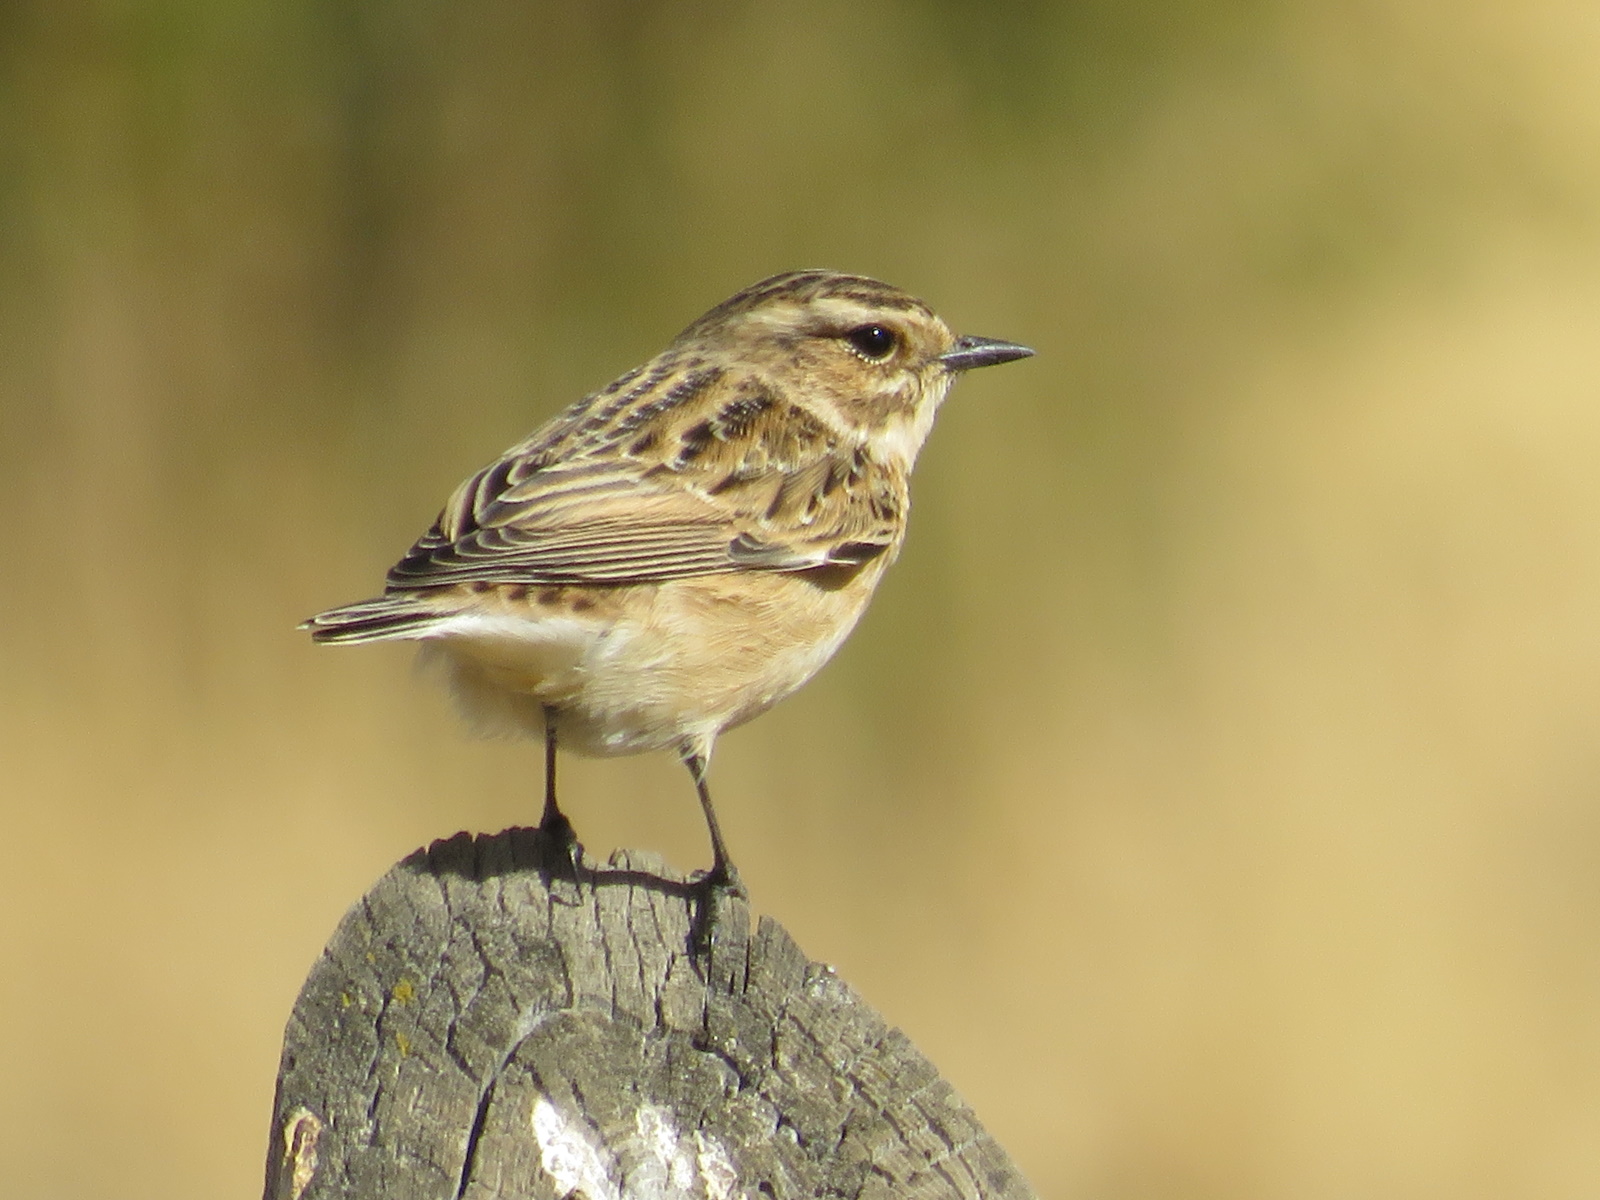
(872, 342)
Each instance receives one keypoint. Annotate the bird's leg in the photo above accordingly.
(720, 884)
(554, 824)
(723, 874)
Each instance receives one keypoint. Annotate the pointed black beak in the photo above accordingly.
(969, 352)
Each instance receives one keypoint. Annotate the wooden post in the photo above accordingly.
(488, 1022)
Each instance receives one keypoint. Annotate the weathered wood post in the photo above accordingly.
(488, 1022)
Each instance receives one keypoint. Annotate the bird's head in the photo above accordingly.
(864, 356)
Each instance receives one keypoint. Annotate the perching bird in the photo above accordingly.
(682, 549)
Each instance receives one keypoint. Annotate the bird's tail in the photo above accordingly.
(374, 621)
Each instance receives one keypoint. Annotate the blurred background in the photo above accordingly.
(1213, 791)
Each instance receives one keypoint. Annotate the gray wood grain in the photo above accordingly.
(488, 1022)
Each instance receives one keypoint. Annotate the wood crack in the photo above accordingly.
(565, 1045)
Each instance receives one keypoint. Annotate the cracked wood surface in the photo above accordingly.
(487, 1022)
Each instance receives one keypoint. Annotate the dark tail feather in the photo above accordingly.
(372, 621)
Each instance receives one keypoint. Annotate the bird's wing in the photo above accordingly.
(678, 481)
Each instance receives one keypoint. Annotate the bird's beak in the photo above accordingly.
(969, 352)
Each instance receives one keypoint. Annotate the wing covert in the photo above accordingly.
(682, 481)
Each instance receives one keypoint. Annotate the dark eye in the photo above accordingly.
(872, 342)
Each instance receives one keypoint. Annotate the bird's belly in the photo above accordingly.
(656, 666)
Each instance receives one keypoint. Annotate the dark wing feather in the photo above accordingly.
(711, 478)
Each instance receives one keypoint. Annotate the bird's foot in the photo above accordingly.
(724, 877)
(714, 891)
(563, 850)
(557, 830)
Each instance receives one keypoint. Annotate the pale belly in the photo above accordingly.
(649, 668)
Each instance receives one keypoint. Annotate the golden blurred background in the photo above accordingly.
(1213, 792)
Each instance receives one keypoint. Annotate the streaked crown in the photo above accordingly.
(853, 349)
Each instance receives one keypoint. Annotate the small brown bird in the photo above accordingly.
(682, 549)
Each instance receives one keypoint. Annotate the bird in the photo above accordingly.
(677, 552)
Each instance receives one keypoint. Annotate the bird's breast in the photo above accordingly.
(646, 667)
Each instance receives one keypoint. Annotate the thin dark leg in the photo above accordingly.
(722, 874)
(554, 823)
